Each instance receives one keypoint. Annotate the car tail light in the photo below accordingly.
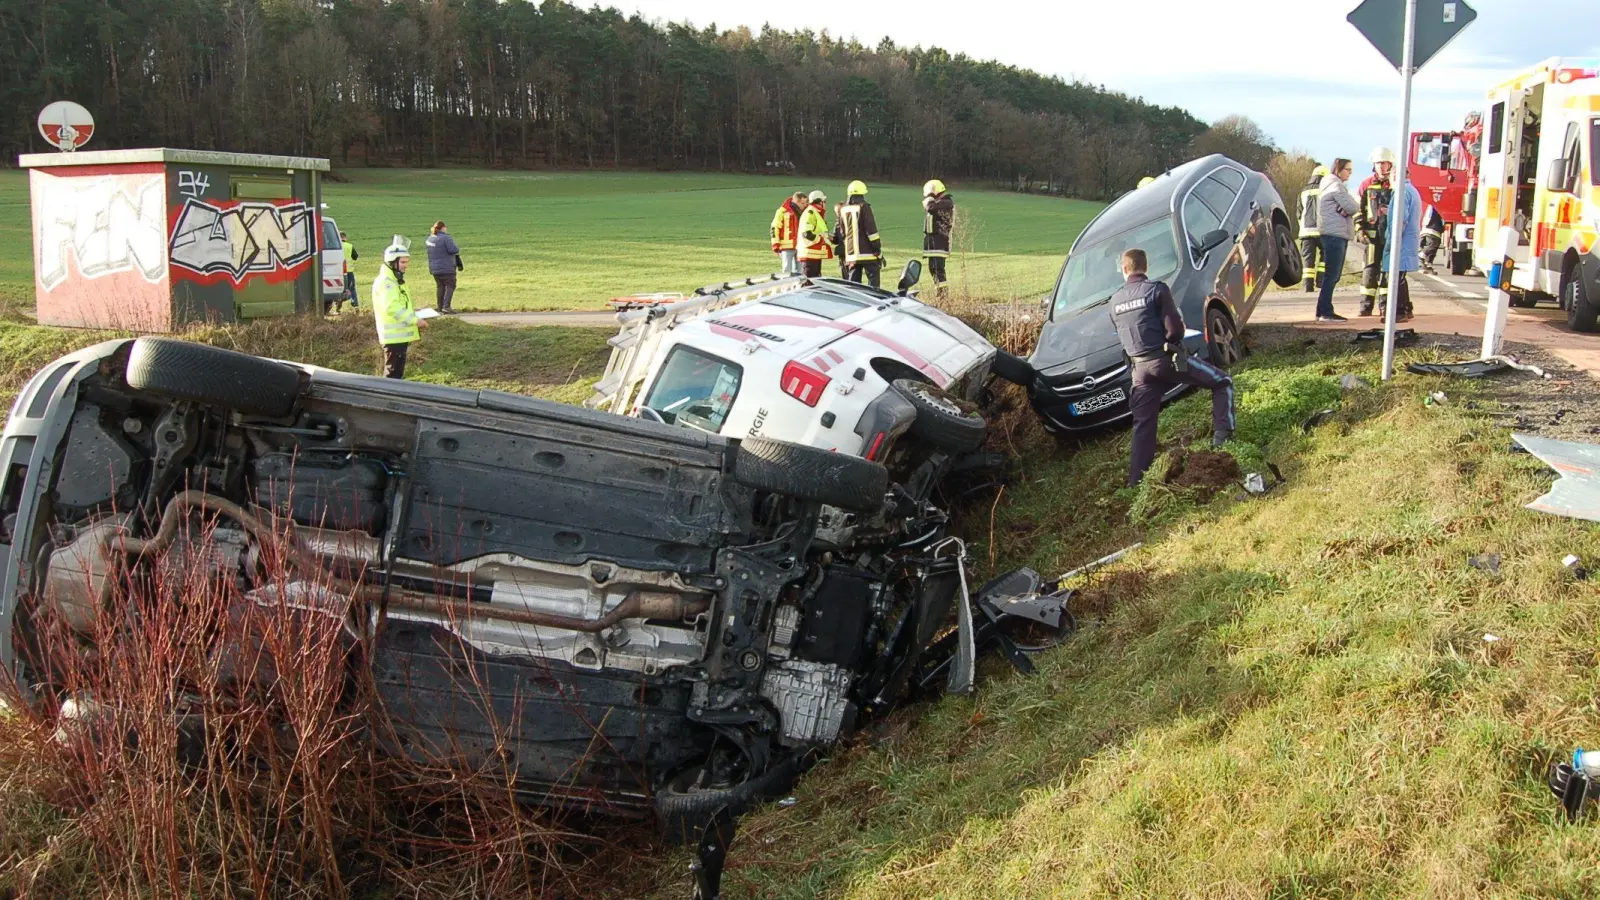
(804, 383)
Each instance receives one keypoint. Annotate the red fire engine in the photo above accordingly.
(1444, 169)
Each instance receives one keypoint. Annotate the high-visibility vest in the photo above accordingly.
(815, 234)
(391, 307)
(860, 234)
(784, 226)
(1309, 200)
(349, 255)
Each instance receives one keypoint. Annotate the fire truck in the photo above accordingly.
(1540, 173)
(1444, 170)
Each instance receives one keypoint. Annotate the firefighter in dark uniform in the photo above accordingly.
(1372, 224)
(938, 221)
(1310, 231)
(1151, 331)
(863, 250)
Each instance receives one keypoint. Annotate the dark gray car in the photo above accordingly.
(1215, 231)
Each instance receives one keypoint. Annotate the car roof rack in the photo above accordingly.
(635, 343)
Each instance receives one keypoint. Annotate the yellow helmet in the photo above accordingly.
(934, 186)
(1320, 171)
(1146, 180)
(856, 188)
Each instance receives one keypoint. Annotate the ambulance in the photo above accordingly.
(1540, 175)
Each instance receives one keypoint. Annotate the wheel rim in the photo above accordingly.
(938, 400)
(1224, 350)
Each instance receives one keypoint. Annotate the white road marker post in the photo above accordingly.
(1397, 205)
(1494, 323)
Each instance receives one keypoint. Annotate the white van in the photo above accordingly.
(331, 255)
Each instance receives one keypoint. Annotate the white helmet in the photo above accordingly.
(1381, 155)
(397, 248)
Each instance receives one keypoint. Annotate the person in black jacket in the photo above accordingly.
(938, 221)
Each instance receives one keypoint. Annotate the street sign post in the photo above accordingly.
(1408, 33)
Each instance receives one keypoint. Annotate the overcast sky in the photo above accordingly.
(1294, 66)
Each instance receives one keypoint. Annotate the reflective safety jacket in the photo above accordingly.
(861, 243)
(785, 225)
(1372, 208)
(1310, 197)
(938, 221)
(350, 255)
(391, 306)
(814, 234)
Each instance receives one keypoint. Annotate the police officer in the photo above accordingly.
(1310, 232)
(1151, 331)
(391, 307)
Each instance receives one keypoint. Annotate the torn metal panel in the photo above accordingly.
(1576, 494)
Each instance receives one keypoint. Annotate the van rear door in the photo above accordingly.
(333, 263)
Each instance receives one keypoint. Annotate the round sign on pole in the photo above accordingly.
(66, 125)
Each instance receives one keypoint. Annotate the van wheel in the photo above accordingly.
(810, 473)
(940, 421)
(1460, 261)
(185, 370)
(1222, 338)
(1581, 310)
(1291, 268)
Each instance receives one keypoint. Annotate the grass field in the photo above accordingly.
(562, 240)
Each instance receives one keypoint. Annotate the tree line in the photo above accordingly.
(519, 84)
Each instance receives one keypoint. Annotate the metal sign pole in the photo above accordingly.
(1397, 203)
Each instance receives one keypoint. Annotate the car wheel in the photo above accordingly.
(1460, 262)
(1581, 309)
(1291, 268)
(184, 370)
(940, 421)
(1014, 369)
(1222, 338)
(810, 473)
(684, 806)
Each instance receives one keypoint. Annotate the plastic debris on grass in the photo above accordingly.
(1353, 383)
(1475, 368)
(1576, 494)
(1403, 337)
(1485, 562)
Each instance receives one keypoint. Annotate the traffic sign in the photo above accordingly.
(1383, 22)
(66, 125)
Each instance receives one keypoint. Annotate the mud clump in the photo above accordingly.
(1207, 471)
(1107, 590)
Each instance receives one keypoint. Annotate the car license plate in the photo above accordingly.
(1097, 402)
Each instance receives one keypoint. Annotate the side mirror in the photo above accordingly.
(1557, 179)
(910, 275)
(1211, 240)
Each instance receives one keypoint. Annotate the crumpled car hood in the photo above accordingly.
(1084, 341)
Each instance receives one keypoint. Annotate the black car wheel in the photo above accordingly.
(1291, 268)
(1222, 338)
(185, 370)
(810, 473)
(940, 421)
(1581, 310)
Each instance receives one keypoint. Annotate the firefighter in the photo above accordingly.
(939, 215)
(391, 307)
(1372, 224)
(1310, 233)
(1151, 330)
(1432, 236)
(1147, 180)
(838, 240)
(785, 225)
(863, 251)
(816, 237)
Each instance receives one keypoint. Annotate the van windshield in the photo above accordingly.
(695, 389)
(1095, 272)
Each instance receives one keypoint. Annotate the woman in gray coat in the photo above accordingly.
(1335, 206)
(444, 261)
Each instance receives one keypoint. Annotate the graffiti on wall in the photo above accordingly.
(242, 239)
(193, 184)
(104, 224)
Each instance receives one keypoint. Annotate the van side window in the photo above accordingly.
(1572, 154)
(1594, 151)
(1497, 126)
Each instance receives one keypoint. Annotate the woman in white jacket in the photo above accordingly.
(1335, 206)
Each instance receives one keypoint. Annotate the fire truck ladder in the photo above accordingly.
(634, 346)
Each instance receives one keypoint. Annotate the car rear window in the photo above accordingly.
(330, 234)
(695, 388)
(1233, 178)
(818, 304)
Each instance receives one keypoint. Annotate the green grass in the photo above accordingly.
(563, 240)
(1286, 696)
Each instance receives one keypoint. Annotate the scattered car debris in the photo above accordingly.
(1575, 566)
(1491, 638)
(1403, 337)
(1576, 494)
(788, 802)
(1255, 484)
(1476, 368)
(1575, 782)
(1436, 398)
(1353, 383)
(1100, 563)
(1318, 417)
(1486, 562)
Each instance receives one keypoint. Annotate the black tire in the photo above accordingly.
(1460, 261)
(682, 811)
(1222, 338)
(1291, 268)
(1581, 309)
(185, 370)
(940, 423)
(809, 473)
(1010, 368)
